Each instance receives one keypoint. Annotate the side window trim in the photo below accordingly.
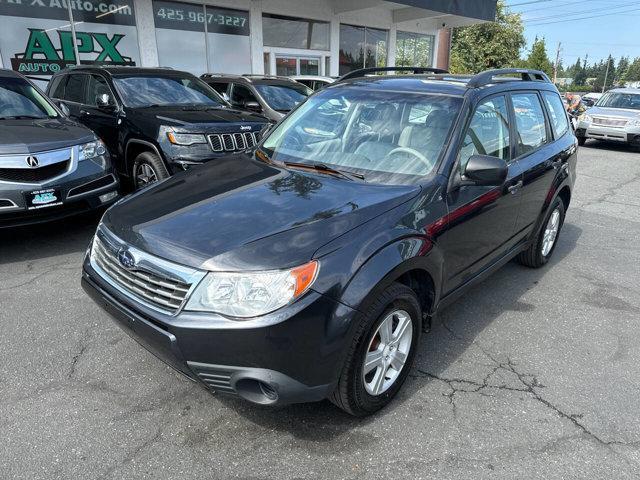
(550, 139)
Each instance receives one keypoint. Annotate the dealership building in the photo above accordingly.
(284, 37)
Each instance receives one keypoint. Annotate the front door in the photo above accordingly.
(481, 220)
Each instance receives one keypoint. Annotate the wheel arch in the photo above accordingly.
(135, 147)
(565, 196)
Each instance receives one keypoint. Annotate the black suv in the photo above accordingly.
(271, 96)
(154, 121)
(309, 268)
(50, 166)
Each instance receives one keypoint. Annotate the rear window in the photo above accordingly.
(530, 122)
(557, 113)
(74, 91)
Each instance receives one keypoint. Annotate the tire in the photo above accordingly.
(352, 393)
(581, 141)
(535, 256)
(148, 164)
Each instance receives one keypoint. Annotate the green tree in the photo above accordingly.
(573, 69)
(538, 59)
(621, 70)
(604, 73)
(633, 72)
(488, 45)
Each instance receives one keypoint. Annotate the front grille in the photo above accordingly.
(233, 142)
(216, 379)
(609, 122)
(161, 292)
(33, 175)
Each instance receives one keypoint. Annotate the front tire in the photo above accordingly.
(542, 248)
(382, 352)
(582, 141)
(148, 169)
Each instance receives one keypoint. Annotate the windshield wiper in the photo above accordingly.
(324, 168)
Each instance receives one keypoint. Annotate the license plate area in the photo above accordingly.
(45, 198)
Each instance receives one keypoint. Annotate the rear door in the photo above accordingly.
(481, 220)
(540, 157)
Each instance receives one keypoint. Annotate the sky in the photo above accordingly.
(594, 27)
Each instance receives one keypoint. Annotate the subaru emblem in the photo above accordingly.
(32, 161)
(126, 259)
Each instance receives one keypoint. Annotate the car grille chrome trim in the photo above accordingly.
(233, 142)
(610, 122)
(101, 183)
(52, 165)
(157, 283)
(6, 203)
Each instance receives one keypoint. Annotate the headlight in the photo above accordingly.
(585, 118)
(186, 138)
(95, 152)
(634, 123)
(251, 294)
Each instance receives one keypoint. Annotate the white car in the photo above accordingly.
(615, 117)
(314, 82)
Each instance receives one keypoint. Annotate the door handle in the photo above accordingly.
(513, 189)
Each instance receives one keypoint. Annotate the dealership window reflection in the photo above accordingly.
(414, 49)
(362, 47)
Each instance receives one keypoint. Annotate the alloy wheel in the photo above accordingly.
(387, 352)
(551, 232)
(145, 175)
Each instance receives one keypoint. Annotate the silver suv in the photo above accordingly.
(615, 117)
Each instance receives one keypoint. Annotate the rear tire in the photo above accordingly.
(148, 169)
(541, 250)
(360, 393)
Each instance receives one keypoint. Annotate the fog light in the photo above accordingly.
(108, 196)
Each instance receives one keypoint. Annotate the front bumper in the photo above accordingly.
(294, 355)
(630, 135)
(80, 190)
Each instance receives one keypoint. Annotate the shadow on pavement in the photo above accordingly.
(322, 422)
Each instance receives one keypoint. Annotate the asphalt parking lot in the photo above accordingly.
(533, 374)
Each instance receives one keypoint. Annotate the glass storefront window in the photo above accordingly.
(183, 44)
(289, 32)
(362, 47)
(309, 66)
(414, 50)
(286, 66)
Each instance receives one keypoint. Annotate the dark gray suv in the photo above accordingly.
(50, 166)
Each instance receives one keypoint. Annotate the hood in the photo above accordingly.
(239, 213)
(190, 117)
(614, 112)
(32, 136)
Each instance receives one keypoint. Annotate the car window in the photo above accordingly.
(241, 94)
(57, 87)
(139, 91)
(557, 113)
(530, 123)
(620, 100)
(488, 132)
(18, 98)
(219, 87)
(419, 113)
(98, 86)
(283, 98)
(74, 91)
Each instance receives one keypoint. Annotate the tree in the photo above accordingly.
(633, 72)
(488, 45)
(538, 59)
(573, 69)
(580, 75)
(621, 70)
(604, 73)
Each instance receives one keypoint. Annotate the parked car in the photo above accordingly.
(155, 122)
(50, 166)
(589, 99)
(615, 117)
(309, 268)
(271, 96)
(314, 82)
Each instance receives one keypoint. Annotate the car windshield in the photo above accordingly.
(386, 137)
(146, 91)
(19, 99)
(620, 100)
(283, 98)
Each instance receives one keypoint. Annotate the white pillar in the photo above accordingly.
(335, 48)
(146, 33)
(257, 44)
(391, 46)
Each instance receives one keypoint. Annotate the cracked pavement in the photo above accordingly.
(532, 374)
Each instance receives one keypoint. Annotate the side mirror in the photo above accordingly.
(64, 109)
(103, 101)
(252, 106)
(485, 170)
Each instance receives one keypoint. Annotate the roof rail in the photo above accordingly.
(365, 71)
(526, 75)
